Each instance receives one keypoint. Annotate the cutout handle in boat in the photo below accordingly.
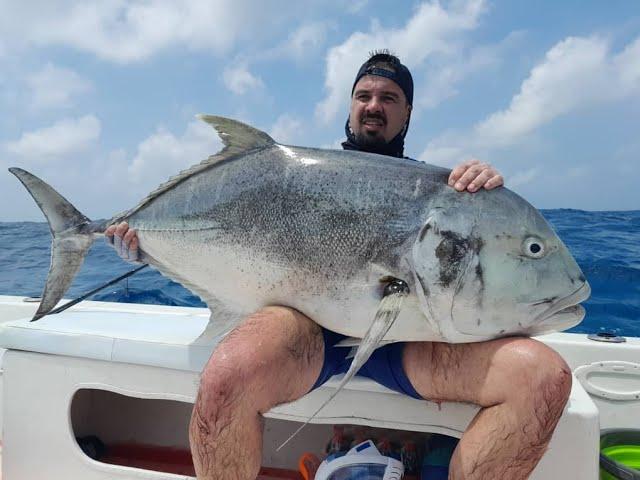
(594, 378)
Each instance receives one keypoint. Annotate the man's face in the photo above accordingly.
(379, 110)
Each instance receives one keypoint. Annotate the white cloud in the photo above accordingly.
(55, 87)
(431, 30)
(301, 45)
(286, 129)
(442, 75)
(443, 151)
(627, 66)
(240, 80)
(305, 40)
(126, 31)
(576, 73)
(62, 138)
(162, 154)
(440, 86)
(569, 76)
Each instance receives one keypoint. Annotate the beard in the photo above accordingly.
(370, 141)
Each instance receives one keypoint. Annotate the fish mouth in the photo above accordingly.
(567, 306)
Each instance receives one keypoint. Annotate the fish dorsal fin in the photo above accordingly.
(237, 138)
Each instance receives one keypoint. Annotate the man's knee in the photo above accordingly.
(554, 378)
(539, 364)
(224, 399)
(543, 375)
(256, 362)
(546, 385)
(222, 383)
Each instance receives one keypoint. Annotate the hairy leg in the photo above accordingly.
(521, 385)
(275, 356)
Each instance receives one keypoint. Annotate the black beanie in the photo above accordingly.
(396, 72)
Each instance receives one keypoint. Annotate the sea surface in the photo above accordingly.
(605, 244)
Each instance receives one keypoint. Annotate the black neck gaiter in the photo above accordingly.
(394, 148)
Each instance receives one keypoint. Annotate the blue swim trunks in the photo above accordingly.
(384, 366)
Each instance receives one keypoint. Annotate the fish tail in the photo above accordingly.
(72, 236)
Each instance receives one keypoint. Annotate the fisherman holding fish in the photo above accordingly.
(277, 355)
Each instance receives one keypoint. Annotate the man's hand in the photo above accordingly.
(124, 240)
(473, 175)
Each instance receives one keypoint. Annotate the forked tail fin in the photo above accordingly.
(71, 238)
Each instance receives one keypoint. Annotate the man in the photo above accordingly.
(278, 355)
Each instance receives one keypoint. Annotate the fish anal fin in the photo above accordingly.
(223, 318)
(221, 321)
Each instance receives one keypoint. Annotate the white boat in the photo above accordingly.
(128, 375)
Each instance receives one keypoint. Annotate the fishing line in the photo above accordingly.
(62, 308)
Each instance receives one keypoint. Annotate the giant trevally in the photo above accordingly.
(325, 231)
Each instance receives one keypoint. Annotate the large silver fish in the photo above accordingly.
(324, 231)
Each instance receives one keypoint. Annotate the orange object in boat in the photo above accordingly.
(308, 465)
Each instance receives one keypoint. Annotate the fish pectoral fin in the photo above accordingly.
(387, 313)
(354, 342)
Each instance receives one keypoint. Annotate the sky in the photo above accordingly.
(99, 98)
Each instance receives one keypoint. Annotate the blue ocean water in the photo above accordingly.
(605, 244)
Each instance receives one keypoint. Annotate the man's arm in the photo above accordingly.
(472, 175)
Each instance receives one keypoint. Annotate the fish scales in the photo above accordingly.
(309, 216)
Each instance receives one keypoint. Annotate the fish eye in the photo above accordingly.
(533, 247)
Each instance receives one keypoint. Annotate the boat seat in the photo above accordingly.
(152, 335)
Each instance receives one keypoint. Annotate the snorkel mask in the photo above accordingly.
(362, 462)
